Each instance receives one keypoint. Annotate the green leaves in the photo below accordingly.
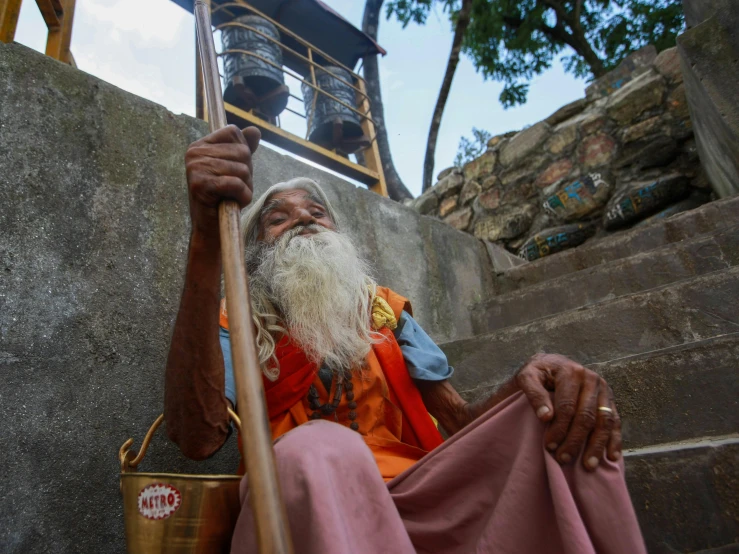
(514, 94)
(511, 41)
(470, 149)
(641, 22)
(416, 11)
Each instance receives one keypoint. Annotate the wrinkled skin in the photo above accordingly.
(219, 167)
(562, 393)
(575, 420)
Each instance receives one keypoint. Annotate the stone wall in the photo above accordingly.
(93, 239)
(602, 163)
(709, 50)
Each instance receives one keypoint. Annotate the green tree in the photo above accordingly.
(470, 149)
(512, 41)
(461, 19)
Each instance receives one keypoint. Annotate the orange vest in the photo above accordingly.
(392, 418)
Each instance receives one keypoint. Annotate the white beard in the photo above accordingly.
(321, 289)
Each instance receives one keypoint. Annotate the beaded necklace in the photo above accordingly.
(343, 380)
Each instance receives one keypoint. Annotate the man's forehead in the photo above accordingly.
(286, 197)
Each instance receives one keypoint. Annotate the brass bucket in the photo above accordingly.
(166, 513)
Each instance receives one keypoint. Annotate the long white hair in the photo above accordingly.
(315, 288)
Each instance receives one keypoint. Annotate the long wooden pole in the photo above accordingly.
(273, 535)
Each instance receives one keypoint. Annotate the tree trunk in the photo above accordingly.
(370, 25)
(584, 48)
(577, 39)
(463, 20)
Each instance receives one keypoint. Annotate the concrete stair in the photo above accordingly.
(685, 495)
(644, 271)
(663, 396)
(679, 313)
(654, 310)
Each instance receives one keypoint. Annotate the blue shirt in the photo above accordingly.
(425, 360)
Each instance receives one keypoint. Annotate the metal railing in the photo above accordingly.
(358, 88)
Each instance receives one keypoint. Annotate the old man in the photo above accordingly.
(352, 381)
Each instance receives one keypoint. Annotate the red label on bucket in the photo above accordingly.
(159, 501)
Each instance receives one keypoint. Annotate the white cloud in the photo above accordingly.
(145, 47)
(157, 21)
(388, 78)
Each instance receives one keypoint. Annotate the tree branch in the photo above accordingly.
(556, 33)
(370, 25)
(463, 20)
(575, 40)
(578, 10)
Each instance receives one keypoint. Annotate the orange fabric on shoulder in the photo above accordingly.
(397, 303)
(418, 429)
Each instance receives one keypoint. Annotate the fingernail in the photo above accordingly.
(542, 411)
(566, 458)
(552, 446)
(592, 462)
(617, 455)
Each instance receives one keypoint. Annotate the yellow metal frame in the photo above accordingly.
(372, 175)
(58, 16)
(306, 149)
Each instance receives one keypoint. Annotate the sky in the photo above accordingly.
(147, 47)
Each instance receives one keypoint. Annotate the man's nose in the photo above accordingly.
(304, 218)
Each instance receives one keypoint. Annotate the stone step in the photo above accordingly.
(679, 313)
(726, 549)
(709, 218)
(685, 495)
(643, 271)
(669, 395)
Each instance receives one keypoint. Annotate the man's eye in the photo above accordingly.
(318, 214)
(278, 221)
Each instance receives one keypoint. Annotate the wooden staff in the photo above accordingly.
(273, 535)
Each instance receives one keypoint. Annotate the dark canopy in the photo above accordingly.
(313, 21)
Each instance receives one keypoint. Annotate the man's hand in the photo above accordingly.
(219, 167)
(584, 412)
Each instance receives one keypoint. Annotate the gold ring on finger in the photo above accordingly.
(605, 409)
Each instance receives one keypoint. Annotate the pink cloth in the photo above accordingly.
(491, 488)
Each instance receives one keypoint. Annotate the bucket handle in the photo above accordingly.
(130, 460)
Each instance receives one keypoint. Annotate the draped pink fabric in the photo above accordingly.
(492, 488)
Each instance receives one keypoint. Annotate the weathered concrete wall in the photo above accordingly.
(709, 50)
(93, 237)
(697, 11)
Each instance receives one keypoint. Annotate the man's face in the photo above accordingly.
(315, 287)
(286, 210)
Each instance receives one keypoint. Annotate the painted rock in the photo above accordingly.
(643, 199)
(690, 203)
(580, 198)
(555, 239)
